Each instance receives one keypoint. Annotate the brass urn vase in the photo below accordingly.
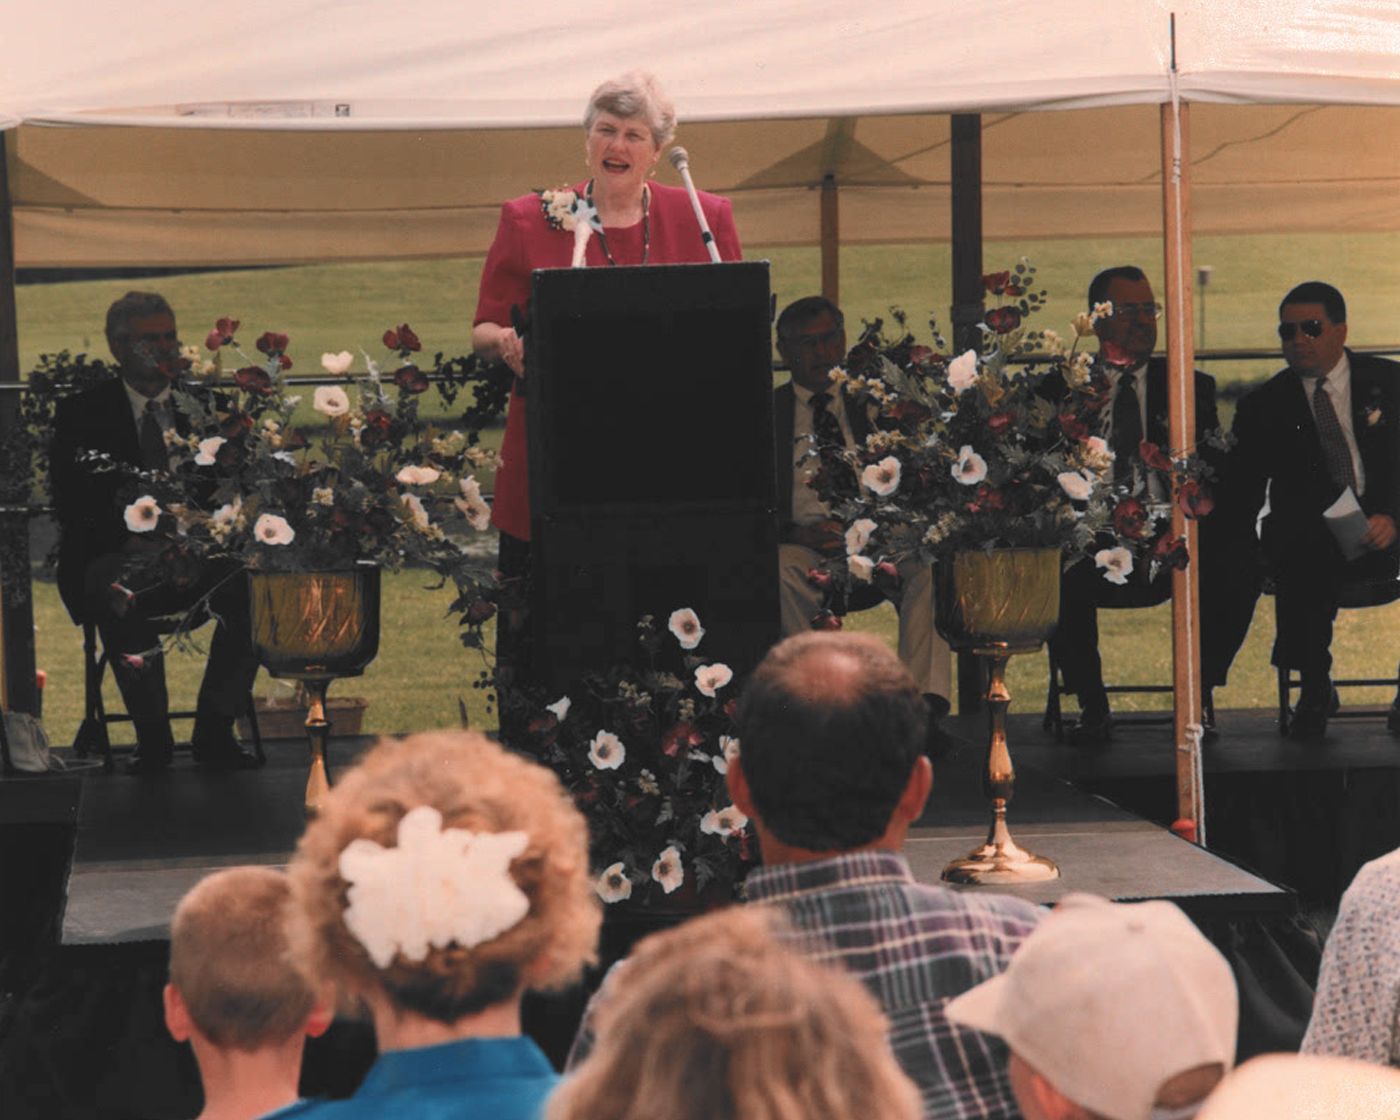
(315, 627)
(994, 604)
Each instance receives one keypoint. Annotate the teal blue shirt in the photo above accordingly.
(500, 1078)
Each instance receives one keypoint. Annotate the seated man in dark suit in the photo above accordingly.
(101, 574)
(1137, 410)
(1322, 436)
(812, 341)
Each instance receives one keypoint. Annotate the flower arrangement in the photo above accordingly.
(643, 750)
(995, 450)
(375, 482)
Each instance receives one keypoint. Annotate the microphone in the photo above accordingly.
(680, 160)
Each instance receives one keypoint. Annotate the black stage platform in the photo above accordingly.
(80, 1030)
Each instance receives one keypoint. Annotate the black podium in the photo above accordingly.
(652, 484)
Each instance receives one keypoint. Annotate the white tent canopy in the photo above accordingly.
(300, 130)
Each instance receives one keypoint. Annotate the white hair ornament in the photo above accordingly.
(440, 886)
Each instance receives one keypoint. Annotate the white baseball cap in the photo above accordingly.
(1306, 1087)
(1108, 1001)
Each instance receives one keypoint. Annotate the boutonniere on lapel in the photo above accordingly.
(565, 210)
(1371, 411)
(1373, 416)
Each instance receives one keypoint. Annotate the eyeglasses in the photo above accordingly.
(1136, 311)
(1311, 327)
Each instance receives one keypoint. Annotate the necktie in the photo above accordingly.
(825, 426)
(1127, 428)
(153, 453)
(1334, 441)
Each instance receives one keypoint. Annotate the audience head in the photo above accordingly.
(231, 977)
(1312, 326)
(831, 732)
(443, 876)
(142, 337)
(1129, 335)
(1306, 1087)
(718, 1020)
(1111, 1010)
(812, 339)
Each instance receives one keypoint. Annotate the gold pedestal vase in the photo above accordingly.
(315, 627)
(994, 604)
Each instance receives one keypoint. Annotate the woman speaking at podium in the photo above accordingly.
(629, 120)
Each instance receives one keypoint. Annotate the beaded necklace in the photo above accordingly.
(646, 226)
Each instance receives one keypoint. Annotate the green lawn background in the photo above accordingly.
(422, 671)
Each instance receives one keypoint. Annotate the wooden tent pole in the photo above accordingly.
(1181, 356)
(17, 688)
(831, 239)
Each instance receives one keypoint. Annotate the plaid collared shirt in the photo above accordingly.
(915, 947)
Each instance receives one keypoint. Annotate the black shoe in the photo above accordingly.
(222, 752)
(1309, 722)
(1209, 732)
(1091, 729)
(146, 762)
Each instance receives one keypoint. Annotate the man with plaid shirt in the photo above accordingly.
(832, 772)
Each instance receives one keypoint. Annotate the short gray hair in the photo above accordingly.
(635, 94)
(133, 305)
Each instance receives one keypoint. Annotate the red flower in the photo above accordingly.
(1012, 290)
(1171, 552)
(227, 327)
(1003, 320)
(213, 340)
(1130, 518)
(1154, 456)
(887, 569)
(818, 578)
(995, 282)
(480, 611)
(986, 498)
(270, 342)
(254, 379)
(825, 620)
(401, 339)
(1072, 424)
(921, 355)
(731, 707)
(377, 425)
(999, 421)
(1194, 499)
(681, 737)
(908, 411)
(411, 379)
(235, 424)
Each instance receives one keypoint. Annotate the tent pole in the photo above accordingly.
(831, 240)
(1181, 355)
(17, 687)
(968, 308)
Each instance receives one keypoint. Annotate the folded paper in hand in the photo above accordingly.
(1348, 524)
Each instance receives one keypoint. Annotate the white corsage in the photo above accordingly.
(440, 886)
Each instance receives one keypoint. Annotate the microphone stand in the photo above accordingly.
(680, 160)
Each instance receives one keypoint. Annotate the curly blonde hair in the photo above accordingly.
(718, 1019)
(477, 786)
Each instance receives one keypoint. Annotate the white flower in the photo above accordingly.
(709, 679)
(667, 869)
(1102, 310)
(337, 363)
(560, 708)
(646, 782)
(438, 887)
(285, 457)
(723, 822)
(962, 371)
(473, 506)
(858, 535)
(230, 513)
(331, 400)
(1077, 374)
(1116, 563)
(323, 496)
(417, 515)
(1082, 325)
(1097, 455)
(861, 567)
(142, 515)
(613, 885)
(685, 625)
(209, 450)
(418, 476)
(606, 751)
(1075, 484)
(730, 746)
(271, 529)
(881, 478)
(971, 468)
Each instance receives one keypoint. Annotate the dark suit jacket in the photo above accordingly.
(783, 398)
(1158, 429)
(1278, 446)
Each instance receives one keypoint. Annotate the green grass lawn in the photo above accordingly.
(422, 671)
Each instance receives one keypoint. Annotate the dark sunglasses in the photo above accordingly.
(1311, 327)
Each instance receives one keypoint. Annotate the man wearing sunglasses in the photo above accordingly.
(1136, 412)
(1322, 436)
